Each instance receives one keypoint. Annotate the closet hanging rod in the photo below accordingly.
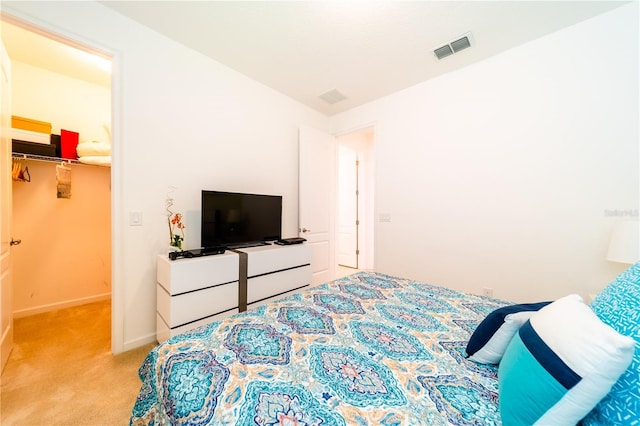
(44, 158)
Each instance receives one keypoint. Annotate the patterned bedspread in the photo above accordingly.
(368, 349)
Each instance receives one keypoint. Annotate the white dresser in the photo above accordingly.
(197, 291)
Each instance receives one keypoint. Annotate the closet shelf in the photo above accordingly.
(22, 156)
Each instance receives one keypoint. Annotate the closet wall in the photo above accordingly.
(65, 255)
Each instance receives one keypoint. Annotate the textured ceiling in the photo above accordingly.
(363, 49)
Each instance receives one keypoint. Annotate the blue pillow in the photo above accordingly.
(559, 365)
(490, 339)
(618, 305)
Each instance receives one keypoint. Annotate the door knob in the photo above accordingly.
(14, 242)
(305, 230)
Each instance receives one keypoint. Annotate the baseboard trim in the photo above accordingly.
(141, 341)
(60, 305)
(6, 344)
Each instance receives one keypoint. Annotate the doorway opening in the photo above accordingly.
(355, 201)
(64, 259)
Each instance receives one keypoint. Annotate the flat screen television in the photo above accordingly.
(235, 219)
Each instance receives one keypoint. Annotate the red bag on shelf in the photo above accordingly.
(69, 142)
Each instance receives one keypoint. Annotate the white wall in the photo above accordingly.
(65, 102)
(181, 120)
(499, 175)
(65, 255)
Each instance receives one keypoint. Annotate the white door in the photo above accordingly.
(6, 314)
(347, 223)
(316, 210)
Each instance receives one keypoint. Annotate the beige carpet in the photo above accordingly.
(61, 371)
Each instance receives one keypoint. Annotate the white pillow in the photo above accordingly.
(96, 160)
(94, 148)
(560, 364)
(491, 337)
(492, 352)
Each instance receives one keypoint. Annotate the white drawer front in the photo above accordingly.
(182, 275)
(269, 285)
(163, 332)
(184, 308)
(193, 325)
(262, 260)
(263, 302)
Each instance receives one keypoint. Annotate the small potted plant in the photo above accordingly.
(175, 223)
(176, 227)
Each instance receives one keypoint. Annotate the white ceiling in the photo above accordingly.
(32, 46)
(363, 49)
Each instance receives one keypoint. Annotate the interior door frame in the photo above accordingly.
(6, 233)
(366, 257)
(347, 201)
(117, 223)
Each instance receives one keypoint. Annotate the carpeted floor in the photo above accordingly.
(61, 371)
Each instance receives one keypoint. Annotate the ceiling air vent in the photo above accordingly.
(332, 97)
(443, 52)
(460, 44)
(453, 47)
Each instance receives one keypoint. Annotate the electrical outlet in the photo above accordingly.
(486, 291)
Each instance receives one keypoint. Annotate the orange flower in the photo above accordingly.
(175, 221)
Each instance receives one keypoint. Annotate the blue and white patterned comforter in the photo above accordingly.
(368, 349)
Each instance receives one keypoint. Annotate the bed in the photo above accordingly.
(361, 350)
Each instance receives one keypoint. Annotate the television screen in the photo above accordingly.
(235, 219)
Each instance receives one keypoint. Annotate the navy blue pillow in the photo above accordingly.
(490, 339)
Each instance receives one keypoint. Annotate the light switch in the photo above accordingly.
(385, 217)
(135, 218)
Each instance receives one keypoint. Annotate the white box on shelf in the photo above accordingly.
(29, 136)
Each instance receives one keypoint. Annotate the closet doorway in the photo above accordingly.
(354, 221)
(64, 259)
